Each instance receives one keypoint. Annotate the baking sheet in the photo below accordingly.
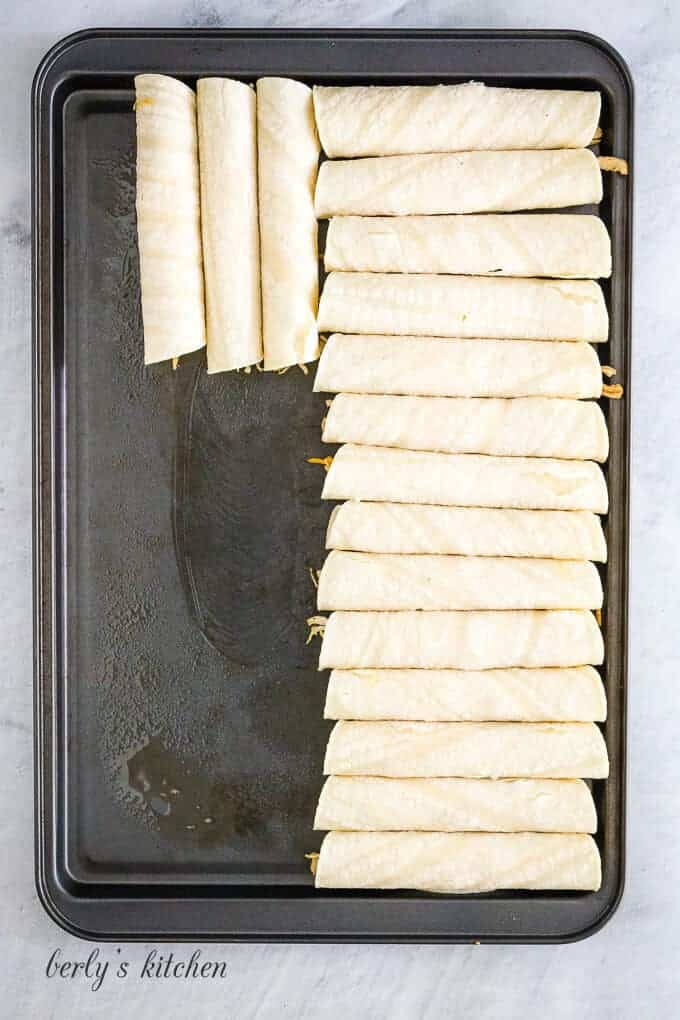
(155, 671)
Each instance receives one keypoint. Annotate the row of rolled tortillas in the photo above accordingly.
(413, 750)
(225, 191)
(397, 246)
(389, 555)
(416, 582)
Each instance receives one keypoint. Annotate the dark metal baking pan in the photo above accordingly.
(176, 520)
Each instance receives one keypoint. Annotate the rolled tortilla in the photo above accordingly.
(168, 218)
(466, 531)
(231, 240)
(529, 426)
(460, 182)
(381, 120)
(365, 803)
(564, 246)
(386, 475)
(428, 366)
(288, 153)
(451, 695)
(379, 581)
(472, 640)
(463, 306)
(470, 750)
(461, 640)
(458, 862)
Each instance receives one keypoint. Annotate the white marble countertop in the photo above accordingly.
(629, 969)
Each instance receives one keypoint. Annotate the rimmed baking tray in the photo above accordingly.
(178, 712)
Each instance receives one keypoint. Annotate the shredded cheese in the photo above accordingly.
(613, 164)
(313, 861)
(317, 625)
(326, 461)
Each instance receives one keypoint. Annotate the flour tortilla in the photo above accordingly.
(365, 803)
(168, 218)
(450, 695)
(460, 182)
(379, 120)
(231, 242)
(355, 580)
(463, 306)
(470, 750)
(461, 640)
(466, 531)
(528, 427)
(428, 366)
(564, 246)
(386, 475)
(458, 862)
(288, 153)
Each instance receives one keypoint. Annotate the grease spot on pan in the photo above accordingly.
(186, 802)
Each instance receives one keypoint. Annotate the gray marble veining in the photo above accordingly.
(632, 967)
